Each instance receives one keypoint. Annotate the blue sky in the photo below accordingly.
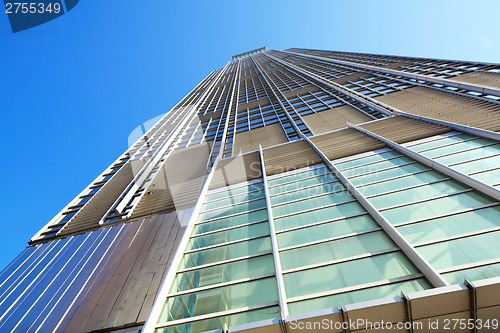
(73, 89)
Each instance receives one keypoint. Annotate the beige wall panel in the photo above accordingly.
(344, 143)
(334, 119)
(403, 129)
(480, 78)
(248, 141)
(289, 156)
(443, 106)
(236, 170)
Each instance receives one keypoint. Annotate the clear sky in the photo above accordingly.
(72, 90)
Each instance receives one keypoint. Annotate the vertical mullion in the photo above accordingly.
(274, 242)
(420, 262)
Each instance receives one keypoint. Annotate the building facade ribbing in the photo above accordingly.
(286, 188)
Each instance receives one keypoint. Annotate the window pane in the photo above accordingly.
(233, 200)
(218, 322)
(473, 274)
(235, 191)
(367, 159)
(457, 147)
(233, 209)
(252, 230)
(462, 251)
(398, 183)
(440, 141)
(327, 230)
(302, 183)
(254, 246)
(435, 207)
(316, 202)
(417, 193)
(451, 225)
(223, 273)
(318, 215)
(381, 267)
(338, 249)
(358, 296)
(227, 222)
(395, 172)
(380, 165)
(220, 299)
(300, 175)
(479, 165)
(307, 192)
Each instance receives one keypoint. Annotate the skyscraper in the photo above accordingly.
(289, 190)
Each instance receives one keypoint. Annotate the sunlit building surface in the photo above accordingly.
(288, 191)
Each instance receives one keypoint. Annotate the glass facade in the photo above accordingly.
(270, 191)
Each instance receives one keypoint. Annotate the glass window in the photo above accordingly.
(307, 192)
(235, 191)
(367, 159)
(358, 296)
(399, 183)
(259, 215)
(381, 267)
(297, 185)
(435, 207)
(239, 208)
(337, 249)
(223, 273)
(469, 155)
(379, 165)
(318, 215)
(219, 322)
(254, 246)
(457, 147)
(463, 250)
(473, 274)
(451, 225)
(479, 165)
(297, 176)
(220, 299)
(234, 200)
(389, 173)
(491, 177)
(316, 202)
(417, 193)
(326, 230)
(222, 237)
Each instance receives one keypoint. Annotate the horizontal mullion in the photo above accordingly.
(216, 314)
(224, 244)
(222, 284)
(222, 262)
(232, 196)
(303, 188)
(464, 235)
(230, 215)
(330, 239)
(426, 199)
(469, 265)
(409, 187)
(446, 214)
(313, 209)
(375, 171)
(355, 288)
(230, 205)
(374, 162)
(338, 261)
(321, 222)
(307, 198)
(227, 228)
